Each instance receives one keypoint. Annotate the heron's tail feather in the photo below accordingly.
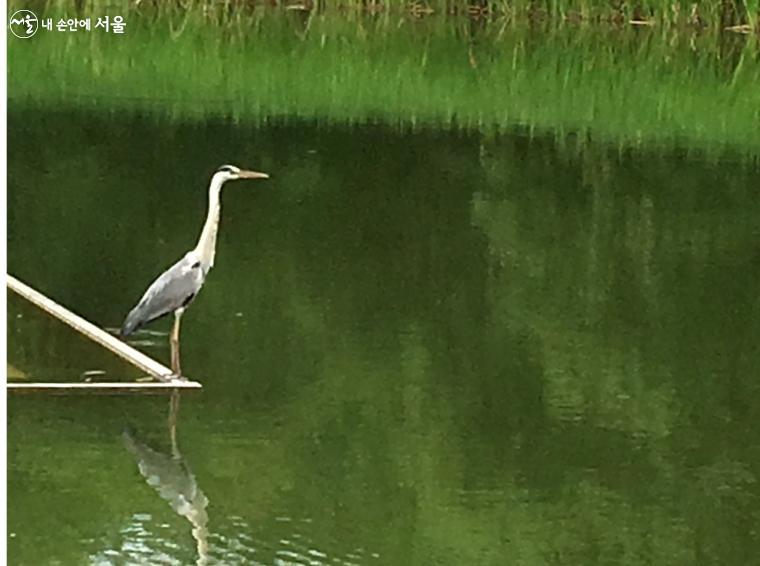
(131, 323)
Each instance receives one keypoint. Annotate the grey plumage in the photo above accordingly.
(174, 289)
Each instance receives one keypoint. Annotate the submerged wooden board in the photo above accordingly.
(105, 387)
(135, 357)
(15, 373)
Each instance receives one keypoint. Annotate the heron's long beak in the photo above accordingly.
(252, 175)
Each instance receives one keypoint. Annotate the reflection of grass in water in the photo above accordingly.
(627, 86)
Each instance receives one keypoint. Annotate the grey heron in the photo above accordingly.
(176, 287)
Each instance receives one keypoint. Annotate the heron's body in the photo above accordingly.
(176, 287)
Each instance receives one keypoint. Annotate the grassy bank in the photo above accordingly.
(739, 15)
(627, 86)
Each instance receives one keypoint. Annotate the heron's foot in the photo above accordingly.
(178, 376)
(176, 368)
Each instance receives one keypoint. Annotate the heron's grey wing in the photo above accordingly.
(173, 289)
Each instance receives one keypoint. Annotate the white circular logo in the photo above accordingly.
(23, 24)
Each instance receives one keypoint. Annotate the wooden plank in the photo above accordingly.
(96, 334)
(104, 387)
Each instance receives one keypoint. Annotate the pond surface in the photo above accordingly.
(456, 326)
(416, 348)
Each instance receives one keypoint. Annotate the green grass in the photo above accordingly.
(698, 14)
(626, 86)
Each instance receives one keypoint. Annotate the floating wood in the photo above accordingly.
(100, 336)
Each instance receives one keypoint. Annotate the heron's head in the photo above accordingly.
(230, 173)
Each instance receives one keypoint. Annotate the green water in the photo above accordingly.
(420, 344)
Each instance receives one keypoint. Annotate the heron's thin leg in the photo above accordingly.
(174, 341)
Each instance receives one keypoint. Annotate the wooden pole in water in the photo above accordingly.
(121, 349)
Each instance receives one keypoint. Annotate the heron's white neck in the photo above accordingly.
(206, 247)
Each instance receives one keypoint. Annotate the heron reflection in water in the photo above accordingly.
(176, 287)
(173, 480)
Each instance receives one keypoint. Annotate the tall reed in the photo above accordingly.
(739, 15)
